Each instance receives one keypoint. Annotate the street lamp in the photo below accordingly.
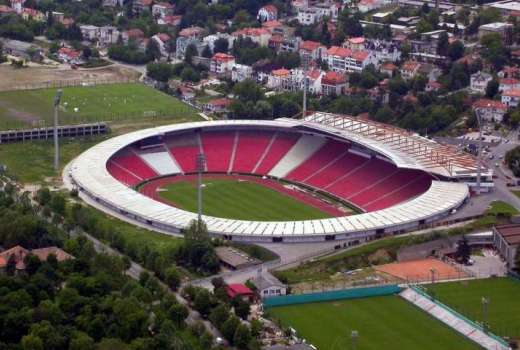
(201, 167)
(485, 303)
(354, 335)
(432, 271)
(57, 99)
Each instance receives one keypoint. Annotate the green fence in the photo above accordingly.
(353, 293)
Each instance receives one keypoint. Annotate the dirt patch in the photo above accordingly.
(381, 256)
(421, 270)
(16, 78)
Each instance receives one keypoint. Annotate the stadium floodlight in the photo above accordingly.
(201, 167)
(57, 99)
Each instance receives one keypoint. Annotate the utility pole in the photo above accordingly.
(354, 335)
(57, 99)
(485, 303)
(201, 167)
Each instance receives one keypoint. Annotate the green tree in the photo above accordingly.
(172, 277)
(242, 309)
(159, 71)
(31, 342)
(221, 45)
(242, 336)
(202, 302)
(443, 44)
(492, 88)
(219, 315)
(178, 314)
(189, 53)
(456, 50)
(152, 50)
(229, 327)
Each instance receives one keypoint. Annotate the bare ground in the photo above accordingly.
(11, 77)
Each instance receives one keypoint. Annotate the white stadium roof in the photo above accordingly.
(88, 171)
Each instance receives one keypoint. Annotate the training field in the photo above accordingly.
(387, 322)
(94, 103)
(240, 199)
(503, 307)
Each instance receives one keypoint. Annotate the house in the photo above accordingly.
(278, 78)
(388, 68)
(6, 11)
(508, 84)
(342, 59)
(310, 50)
(170, 21)
(162, 9)
(314, 81)
(209, 40)
(490, 110)
(509, 72)
(479, 81)
(221, 63)
(433, 86)
(268, 285)
(138, 6)
(504, 30)
(290, 44)
(357, 43)
(275, 27)
(410, 69)
(259, 36)
(32, 14)
(506, 239)
(218, 105)
(68, 55)
(430, 71)
(241, 72)
(511, 98)
(112, 3)
(187, 93)
(18, 254)
(241, 291)
(333, 83)
(89, 32)
(229, 257)
(308, 16)
(135, 34)
(275, 42)
(267, 13)
(189, 36)
(370, 5)
(162, 40)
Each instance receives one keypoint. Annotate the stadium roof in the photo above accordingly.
(89, 172)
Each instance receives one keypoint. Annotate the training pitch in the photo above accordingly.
(85, 104)
(239, 199)
(466, 297)
(381, 322)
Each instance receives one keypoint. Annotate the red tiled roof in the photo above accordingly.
(71, 53)
(512, 93)
(163, 37)
(164, 4)
(356, 40)
(272, 24)
(270, 8)
(339, 51)
(238, 289)
(509, 81)
(333, 78)
(389, 66)
(220, 102)
(309, 45)
(486, 103)
(135, 33)
(410, 65)
(43, 253)
(251, 32)
(360, 55)
(6, 9)
(191, 31)
(314, 74)
(222, 57)
(276, 39)
(282, 72)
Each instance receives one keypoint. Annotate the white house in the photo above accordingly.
(267, 13)
(268, 285)
(479, 82)
(508, 84)
(241, 72)
(260, 36)
(162, 9)
(511, 98)
(162, 39)
(341, 59)
(308, 16)
(221, 63)
(490, 110)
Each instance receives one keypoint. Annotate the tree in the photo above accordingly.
(202, 302)
(196, 231)
(463, 250)
(206, 52)
(58, 203)
(31, 342)
(43, 196)
(242, 308)
(159, 71)
(87, 53)
(178, 314)
(221, 45)
(242, 336)
(263, 110)
(494, 50)
(152, 50)
(219, 315)
(492, 88)
(172, 277)
(456, 50)
(189, 53)
(10, 267)
(443, 44)
(248, 90)
(229, 327)
(190, 74)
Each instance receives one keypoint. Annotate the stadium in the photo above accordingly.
(367, 179)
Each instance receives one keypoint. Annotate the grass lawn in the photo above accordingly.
(95, 103)
(382, 323)
(504, 302)
(32, 162)
(240, 200)
(501, 208)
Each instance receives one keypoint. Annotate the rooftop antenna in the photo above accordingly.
(57, 99)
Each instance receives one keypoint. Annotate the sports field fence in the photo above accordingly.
(57, 84)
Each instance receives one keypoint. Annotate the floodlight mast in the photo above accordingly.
(57, 99)
(201, 167)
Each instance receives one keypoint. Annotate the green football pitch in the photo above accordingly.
(387, 322)
(85, 104)
(241, 200)
(503, 295)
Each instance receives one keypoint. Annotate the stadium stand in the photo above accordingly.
(250, 148)
(336, 171)
(160, 160)
(453, 320)
(328, 153)
(184, 149)
(218, 148)
(133, 164)
(280, 145)
(122, 174)
(304, 148)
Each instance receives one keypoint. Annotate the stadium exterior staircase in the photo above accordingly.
(452, 319)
